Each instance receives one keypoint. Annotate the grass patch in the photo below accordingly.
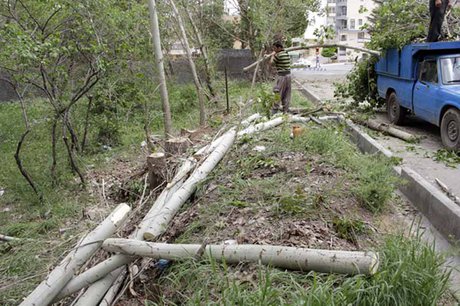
(373, 178)
(410, 274)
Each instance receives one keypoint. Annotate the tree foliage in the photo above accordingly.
(395, 23)
(262, 21)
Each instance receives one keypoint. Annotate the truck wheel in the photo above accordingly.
(396, 112)
(450, 129)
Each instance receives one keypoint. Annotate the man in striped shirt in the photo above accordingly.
(282, 62)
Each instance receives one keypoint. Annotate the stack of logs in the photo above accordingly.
(105, 279)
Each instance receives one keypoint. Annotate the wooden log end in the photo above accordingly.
(148, 236)
(375, 262)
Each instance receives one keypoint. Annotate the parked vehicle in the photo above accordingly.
(304, 62)
(423, 79)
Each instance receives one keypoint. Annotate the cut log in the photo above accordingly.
(156, 164)
(98, 290)
(187, 166)
(177, 146)
(178, 198)
(386, 128)
(263, 126)
(92, 275)
(9, 238)
(114, 289)
(326, 261)
(60, 276)
(251, 119)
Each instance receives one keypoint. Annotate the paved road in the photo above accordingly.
(320, 82)
(417, 156)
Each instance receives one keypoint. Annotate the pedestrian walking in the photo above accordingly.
(438, 10)
(282, 62)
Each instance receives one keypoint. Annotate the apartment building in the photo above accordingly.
(350, 17)
(316, 21)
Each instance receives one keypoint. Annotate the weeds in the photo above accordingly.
(348, 229)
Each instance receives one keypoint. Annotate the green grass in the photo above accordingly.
(373, 176)
(410, 274)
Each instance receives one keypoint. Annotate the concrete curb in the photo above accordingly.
(442, 212)
(311, 96)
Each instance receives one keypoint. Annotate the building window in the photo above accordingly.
(343, 37)
(352, 24)
(360, 22)
(361, 35)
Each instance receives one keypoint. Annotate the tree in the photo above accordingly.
(160, 67)
(395, 23)
(186, 45)
(262, 20)
(63, 49)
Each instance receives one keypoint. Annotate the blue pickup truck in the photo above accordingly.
(424, 80)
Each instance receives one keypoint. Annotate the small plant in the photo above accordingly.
(376, 182)
(348, 229)
(267, 100)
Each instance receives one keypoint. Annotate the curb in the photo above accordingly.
(311, 96)
(442, 212)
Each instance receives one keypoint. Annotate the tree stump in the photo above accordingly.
(156, 164)
(177, 146)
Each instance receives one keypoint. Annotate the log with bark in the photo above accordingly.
(60, 276)
(326, 261)
(391, 130)
(97, 291)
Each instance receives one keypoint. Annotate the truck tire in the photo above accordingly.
(450, 129)
(395, 112)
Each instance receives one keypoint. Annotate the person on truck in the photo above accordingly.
(438, 10)
(281, 60)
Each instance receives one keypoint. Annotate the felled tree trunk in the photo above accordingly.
(114, 289)
(177, 146)
(97, 291)
(326, 261)
(60, 276)
(156, 164)
(386, 128)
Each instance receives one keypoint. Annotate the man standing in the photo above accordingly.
(438, 10)
(282, 62)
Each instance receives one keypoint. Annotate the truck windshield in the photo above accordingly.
(450, 68)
